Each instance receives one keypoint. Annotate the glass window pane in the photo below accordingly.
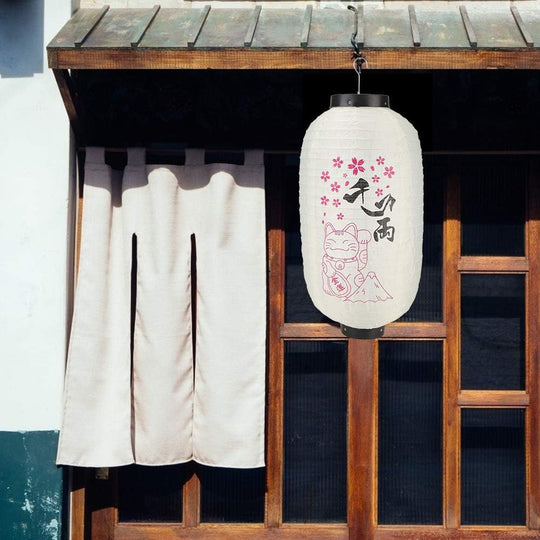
(493, 206)
(315, 432)
(493, 332)
(232, 495)
(410, 433)
(493, 467)
(151, 494)
(428, 303)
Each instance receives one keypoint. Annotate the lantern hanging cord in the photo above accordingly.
(358, 58)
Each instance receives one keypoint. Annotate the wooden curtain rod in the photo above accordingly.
(297, 152)
(165, 150)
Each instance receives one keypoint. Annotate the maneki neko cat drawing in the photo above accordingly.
(344, 259)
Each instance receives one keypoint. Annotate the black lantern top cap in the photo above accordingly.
(359, 100)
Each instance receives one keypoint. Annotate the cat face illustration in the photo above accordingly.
(346, 243)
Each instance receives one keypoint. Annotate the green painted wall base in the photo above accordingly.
(30, 486)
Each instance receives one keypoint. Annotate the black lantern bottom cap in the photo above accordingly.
(362, 333)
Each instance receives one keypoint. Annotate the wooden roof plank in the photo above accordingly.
(332, 28)
(225, 28)
(441, 29)
(415, 30)
(143, 28)
(278, 28)
(531, 18)
(78, 28)
(387, 28)
(248, 40)
(170, 29)
(306, 25)
(85, 32)
(468, 26)
(522, 28)
(118, 28)
(495, 27)
(199, 26)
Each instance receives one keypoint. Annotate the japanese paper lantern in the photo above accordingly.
(361, 213)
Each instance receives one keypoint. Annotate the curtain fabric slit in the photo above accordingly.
(138, 245)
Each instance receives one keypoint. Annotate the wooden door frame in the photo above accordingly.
(94, 501)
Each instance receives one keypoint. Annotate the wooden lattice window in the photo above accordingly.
(431, 431)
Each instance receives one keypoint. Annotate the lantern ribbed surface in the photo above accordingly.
(361, 214)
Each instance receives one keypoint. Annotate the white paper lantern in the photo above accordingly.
(361, 213)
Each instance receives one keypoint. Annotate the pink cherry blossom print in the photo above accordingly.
(338, 162)
(389, 171)
(380, 160)
(356, 166)
(379, 192)
(336, 202)
(324, 200)
(372, 168)
(325, 175)
(335, 187)
(340, 216)
(387, 187)
(345, 175)
(346, 183)
(375, 178)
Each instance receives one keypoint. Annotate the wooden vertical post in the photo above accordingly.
(361, 441)
(533, 346)
(102, 504)
(71, 102)
(276, 317)
(451, 383)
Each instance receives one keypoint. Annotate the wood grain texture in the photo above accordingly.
(533, 346)
(69, 97)
(230, 532)
(322, 331)
(493, 398)
(292, 58)
(77, 488)
(102, 505)
(451, 381)
(362, 397)
(469, 533)
(276, 316)
(491, 265)
(191, 501)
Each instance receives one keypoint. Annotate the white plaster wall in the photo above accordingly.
(34, 214)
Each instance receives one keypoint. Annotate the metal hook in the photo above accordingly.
(357, 66)
(354, 42)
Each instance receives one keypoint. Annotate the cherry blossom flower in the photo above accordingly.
(338, 162)
(345, 175)
(356, 166)
(336, 202)
(324, 200)
(379, 192)
(389, 171)
(340, 216)
(325, 175)
(380, 160)
(335, 187)
(375, 178)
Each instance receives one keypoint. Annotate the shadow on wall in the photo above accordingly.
(21, 37)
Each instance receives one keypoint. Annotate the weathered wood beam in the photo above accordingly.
(71, 102)
(294, 58)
